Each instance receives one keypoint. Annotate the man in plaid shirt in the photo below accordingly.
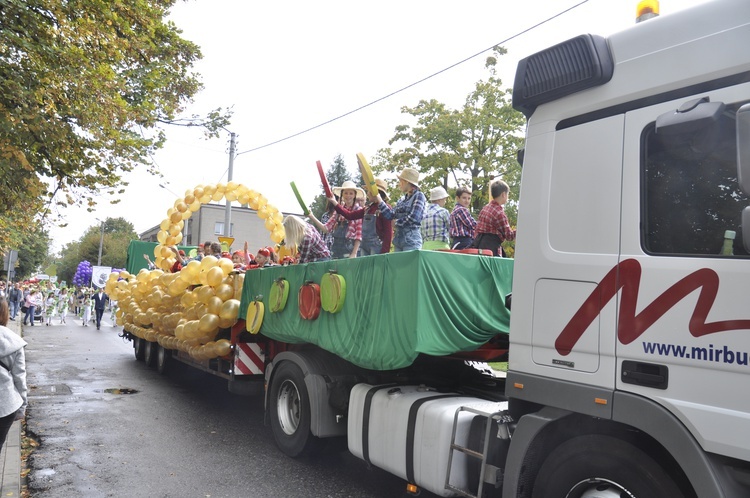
(492, 225)
(462, 223)
(435, 221)
(407, 212)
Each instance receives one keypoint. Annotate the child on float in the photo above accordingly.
(436, 221)
(347, 234)
(493, 227)
(407, 212)
(462, 223)
(308, 241)
(377, 230)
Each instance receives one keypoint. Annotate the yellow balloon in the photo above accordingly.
(177, 287)
(263, 212)
(188, 299)
(223, 347)
(181, 206)
(187, 214)
(164, 224)
(214, 305)
(226, 265)
(217, 195)
(161, 237)
(208, 323)
(270, 224)
(204, 293)
(226, 323)
(174, 229)
(230, 195)
(214, 276)
(278, 234)
(177, 238)
(189, 198)
(208, 262)
(230, 309)
(195, 206)
(224, 292)
(198, 192)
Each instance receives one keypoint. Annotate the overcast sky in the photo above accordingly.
(288, 66)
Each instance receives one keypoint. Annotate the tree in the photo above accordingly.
(32, 253)
(468, 147)
(115, 235)
(85, 90)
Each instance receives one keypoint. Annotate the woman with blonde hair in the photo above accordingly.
(310, 244)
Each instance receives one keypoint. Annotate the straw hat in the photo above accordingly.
(382, 188)
(438, 193)
(410, 175)
(349, 185)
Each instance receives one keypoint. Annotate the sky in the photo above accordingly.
(285, 67)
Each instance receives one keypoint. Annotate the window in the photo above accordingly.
(219, 228)
(690, 193)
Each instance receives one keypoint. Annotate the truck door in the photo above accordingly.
(683, 277)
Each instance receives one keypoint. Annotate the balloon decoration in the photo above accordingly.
(187, 310)
(83, 274)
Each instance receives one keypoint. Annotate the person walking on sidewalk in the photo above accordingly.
(32, 301)
(100, 302)
(15, 296)
(12, 375)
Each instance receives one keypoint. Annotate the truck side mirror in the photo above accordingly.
(743, 148)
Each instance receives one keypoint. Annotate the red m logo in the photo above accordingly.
(627, 276)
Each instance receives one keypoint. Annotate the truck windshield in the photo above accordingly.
(690, 196)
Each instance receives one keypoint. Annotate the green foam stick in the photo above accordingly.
(305, 211)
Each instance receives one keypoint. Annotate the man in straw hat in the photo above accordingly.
(436, 221)
(407, 212)
(347, 234)
(377, 231)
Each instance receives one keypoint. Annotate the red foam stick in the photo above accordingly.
(324, 180)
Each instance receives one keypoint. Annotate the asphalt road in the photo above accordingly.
(178, 435)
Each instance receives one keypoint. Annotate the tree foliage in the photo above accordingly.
(466, 147)
(115, 235)
(32, 253)
(85, 89)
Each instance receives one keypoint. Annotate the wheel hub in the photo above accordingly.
(597, 487)
(288, 407)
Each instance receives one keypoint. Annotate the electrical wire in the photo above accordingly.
(540, 23)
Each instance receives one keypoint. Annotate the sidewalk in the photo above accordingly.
(10, 457)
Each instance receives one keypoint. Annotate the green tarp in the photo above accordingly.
(397, 306)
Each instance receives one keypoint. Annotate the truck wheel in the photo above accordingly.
(138, 348)
(149, 356)
(598, 465)
(289, 407)
(163, 358)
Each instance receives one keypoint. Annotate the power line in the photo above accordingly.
(416, 82)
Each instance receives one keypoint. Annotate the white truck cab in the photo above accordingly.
(630, 327)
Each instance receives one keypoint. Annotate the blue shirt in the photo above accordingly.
(435, 223)
(408, 211)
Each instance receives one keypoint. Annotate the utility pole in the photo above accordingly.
(101, 242)
(228, 210)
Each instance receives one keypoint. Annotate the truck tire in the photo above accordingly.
(138, 348)
(149, 355)
(289, 411)
(163, 358)
(604, 466)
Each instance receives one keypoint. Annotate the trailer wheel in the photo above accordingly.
(138, 348)
(163, 358)
(149, 356)
(289, 410)
(598, 465)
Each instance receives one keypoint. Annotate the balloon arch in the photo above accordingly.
(186, 310)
